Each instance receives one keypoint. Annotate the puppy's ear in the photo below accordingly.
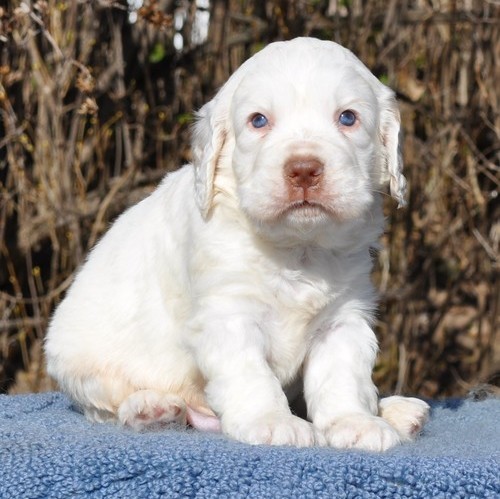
(392, 161)
(210, 134)
(207, 143)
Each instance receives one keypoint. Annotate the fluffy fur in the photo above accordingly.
(248, 272)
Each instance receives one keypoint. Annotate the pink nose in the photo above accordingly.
(303, 172)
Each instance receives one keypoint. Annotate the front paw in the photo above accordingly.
(361, 431)
(406, 414)
(274, 429)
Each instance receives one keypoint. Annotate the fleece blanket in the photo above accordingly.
(48, 449)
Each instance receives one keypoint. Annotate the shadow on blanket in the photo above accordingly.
(49, 450)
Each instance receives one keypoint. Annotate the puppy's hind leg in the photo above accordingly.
(406, 415)
(112, 397)
(150, 409)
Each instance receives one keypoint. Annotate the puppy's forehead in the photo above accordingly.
(302, 49)
(303, 76)
(300, 59)
(291, 61)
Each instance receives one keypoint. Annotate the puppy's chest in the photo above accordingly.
(298, 296)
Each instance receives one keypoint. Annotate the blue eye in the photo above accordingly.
(258, 120)
(347, 118)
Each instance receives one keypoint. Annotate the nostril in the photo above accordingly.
(304, 171)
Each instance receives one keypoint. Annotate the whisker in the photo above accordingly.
(384, 193)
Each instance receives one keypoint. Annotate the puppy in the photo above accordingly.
(248, 271)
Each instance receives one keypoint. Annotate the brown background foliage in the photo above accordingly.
(95, 109)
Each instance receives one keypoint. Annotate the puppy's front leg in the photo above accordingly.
(340, 395)
(241, 387)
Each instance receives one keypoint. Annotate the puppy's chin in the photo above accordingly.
(297, 221)
(304, 214)
(314, 214)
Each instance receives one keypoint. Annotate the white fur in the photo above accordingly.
(220, 290)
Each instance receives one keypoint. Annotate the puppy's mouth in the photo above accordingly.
(303, 204)
(306, 209)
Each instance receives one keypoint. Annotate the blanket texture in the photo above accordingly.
(47, 449)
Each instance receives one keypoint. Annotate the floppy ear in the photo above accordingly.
(207, 143)
(392, 161)
(209, 136)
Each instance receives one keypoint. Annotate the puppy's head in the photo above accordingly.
(310, 133)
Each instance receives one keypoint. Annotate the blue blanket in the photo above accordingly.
(47, 449)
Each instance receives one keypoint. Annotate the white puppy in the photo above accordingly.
(250, 269)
